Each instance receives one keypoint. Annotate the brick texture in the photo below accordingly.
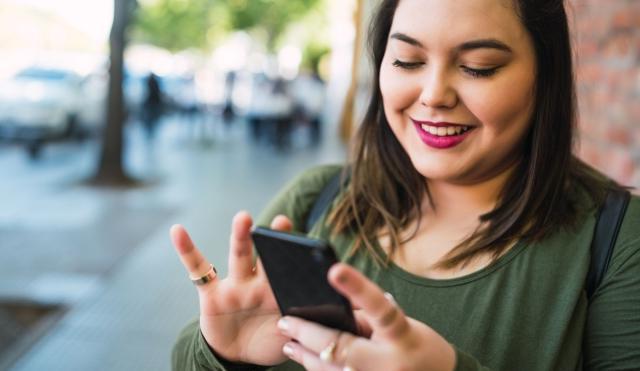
(606, 36)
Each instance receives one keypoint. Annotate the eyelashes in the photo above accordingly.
(473, 72)
(407, 65)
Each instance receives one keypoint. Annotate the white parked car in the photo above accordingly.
(38, 105)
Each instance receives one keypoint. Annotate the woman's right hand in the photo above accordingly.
(238, 314)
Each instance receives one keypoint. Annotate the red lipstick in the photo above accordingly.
(441, 142)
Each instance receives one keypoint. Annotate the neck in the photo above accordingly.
(464, 200)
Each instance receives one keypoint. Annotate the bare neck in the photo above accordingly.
(464, 201)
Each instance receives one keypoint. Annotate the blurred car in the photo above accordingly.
(92, 104)
(40, 104)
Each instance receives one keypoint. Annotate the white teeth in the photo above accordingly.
(444, 131)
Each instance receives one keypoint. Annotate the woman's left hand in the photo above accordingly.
(396, 341)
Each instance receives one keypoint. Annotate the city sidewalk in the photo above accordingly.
(127, 309)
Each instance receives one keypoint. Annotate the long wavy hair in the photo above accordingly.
(385, 191)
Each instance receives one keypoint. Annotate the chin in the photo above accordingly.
(433, 171)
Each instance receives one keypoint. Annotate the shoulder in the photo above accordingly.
(308, 184)
(611, 335)
(627, 248)
(315, 178)
(296, 198)
(622, 276)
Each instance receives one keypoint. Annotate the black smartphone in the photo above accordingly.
(297, 267)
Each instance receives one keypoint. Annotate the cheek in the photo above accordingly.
(503, 108)
(398, 92)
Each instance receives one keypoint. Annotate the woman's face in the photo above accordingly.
(457, 82)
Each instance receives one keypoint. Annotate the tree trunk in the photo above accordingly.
(110, 167)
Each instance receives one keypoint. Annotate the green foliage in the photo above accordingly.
(182, 24)
(272, 15)
(179, 24)
(312, 54)
(308, 32)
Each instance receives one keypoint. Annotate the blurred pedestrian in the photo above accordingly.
(228, 113)
(271, 111)
(153, 105)
(308, 91)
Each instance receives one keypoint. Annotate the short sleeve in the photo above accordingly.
(612, 334)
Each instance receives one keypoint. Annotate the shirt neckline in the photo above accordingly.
(400, 272)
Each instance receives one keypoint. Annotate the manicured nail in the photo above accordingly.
(288, 350)
(283, 325)
(390, 298)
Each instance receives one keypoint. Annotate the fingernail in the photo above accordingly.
(288, 350)
(283, 325)
(390, 297)
(342, 278)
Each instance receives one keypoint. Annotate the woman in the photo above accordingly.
(464, 202)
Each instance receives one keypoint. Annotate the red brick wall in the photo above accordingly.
(606, 36)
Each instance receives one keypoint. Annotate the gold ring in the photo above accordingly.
(207, 277)
(328, 353)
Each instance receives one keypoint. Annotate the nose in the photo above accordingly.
(437, 91)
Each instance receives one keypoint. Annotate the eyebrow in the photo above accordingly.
(468, 45)
(484, 43)
(406, 38)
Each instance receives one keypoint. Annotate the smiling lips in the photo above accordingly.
(441, 135)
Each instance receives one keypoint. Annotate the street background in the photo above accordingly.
(214, 105)
(105, 255)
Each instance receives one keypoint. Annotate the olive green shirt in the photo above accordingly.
(526, 311)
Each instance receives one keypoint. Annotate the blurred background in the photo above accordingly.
(119, 118)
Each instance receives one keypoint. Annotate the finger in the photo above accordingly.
(194, 262)
(282, 223)
(386, 318)
(240, 252)
(317, 338)
(312, 335)
(361, 355)
(307, 358)
(279, 223)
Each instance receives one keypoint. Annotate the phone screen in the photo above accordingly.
(297, 268)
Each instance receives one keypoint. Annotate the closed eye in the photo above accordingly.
(478, 72)
(407, 65)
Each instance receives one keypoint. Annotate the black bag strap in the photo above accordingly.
(606, 232)
(326, 196)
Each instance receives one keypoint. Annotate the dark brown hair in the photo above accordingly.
(385, 190)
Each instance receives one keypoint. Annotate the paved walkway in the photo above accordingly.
(125, 315)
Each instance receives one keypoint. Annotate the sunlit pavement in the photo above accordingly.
(105, 253)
